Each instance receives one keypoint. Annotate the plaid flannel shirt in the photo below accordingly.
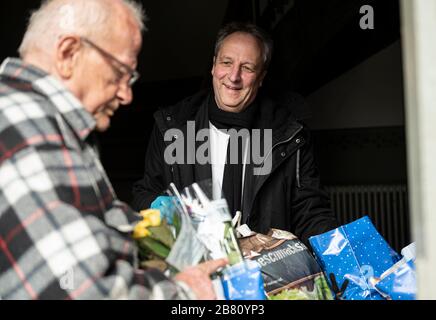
(63, 233)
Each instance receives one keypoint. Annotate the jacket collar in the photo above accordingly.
(271, 115)
(64, 101)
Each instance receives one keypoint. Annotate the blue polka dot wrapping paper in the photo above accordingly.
(350, 255)
(400, 282)
(243, 281)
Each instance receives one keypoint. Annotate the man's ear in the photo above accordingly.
(262, 76)
(67, 52)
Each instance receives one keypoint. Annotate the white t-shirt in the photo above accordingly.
(218, 153)
(218, 149)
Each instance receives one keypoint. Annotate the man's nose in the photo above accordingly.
(125, 94)
(235, 74)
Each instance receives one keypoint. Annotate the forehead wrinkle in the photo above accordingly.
(231, 47)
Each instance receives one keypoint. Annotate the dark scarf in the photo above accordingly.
(232, 179)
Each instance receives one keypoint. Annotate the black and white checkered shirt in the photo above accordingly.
(63, 233)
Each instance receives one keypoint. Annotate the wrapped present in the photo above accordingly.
(399, 281)
(289, 270)
(351, 256)
(243, 281)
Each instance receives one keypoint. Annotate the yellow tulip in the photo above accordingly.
(140, 230)
(152, 216)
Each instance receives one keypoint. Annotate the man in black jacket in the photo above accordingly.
(283, 189)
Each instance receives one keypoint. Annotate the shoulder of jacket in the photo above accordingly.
(13, 89)
(180, 112)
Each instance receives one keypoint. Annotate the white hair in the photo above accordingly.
(88, 18)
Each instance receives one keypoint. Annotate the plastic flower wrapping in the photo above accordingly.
(190, 226)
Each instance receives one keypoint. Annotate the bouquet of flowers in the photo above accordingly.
(190, 227)
(155, 237)
(185, 228)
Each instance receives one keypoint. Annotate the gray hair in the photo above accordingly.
(251, 29)
(89, 18)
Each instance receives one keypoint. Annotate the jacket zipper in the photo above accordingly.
(297, 170)
(279, 143)
(270, 151)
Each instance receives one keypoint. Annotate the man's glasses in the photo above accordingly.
(122, 68)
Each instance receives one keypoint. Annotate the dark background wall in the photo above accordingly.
(351, 78)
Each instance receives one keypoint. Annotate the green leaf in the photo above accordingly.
(156, 264)
(177, 223)
(155, 246)
(144, 253)
(231, 245)
(163, 234)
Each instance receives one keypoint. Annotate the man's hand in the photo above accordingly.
(198, 278)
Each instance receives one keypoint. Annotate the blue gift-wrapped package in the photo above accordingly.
(399, 281)
(243, 281)
(400, 284)
(352, 254)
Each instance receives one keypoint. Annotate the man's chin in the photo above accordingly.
(232, 106)
(102, 124)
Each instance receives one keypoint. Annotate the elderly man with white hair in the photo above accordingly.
(62, 229)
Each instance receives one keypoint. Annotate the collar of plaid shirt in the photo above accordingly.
(71, 109)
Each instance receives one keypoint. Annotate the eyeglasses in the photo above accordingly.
(121, 67)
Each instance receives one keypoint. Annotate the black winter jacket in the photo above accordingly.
(289, 198)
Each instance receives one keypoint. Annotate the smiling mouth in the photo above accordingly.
(231, 87)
